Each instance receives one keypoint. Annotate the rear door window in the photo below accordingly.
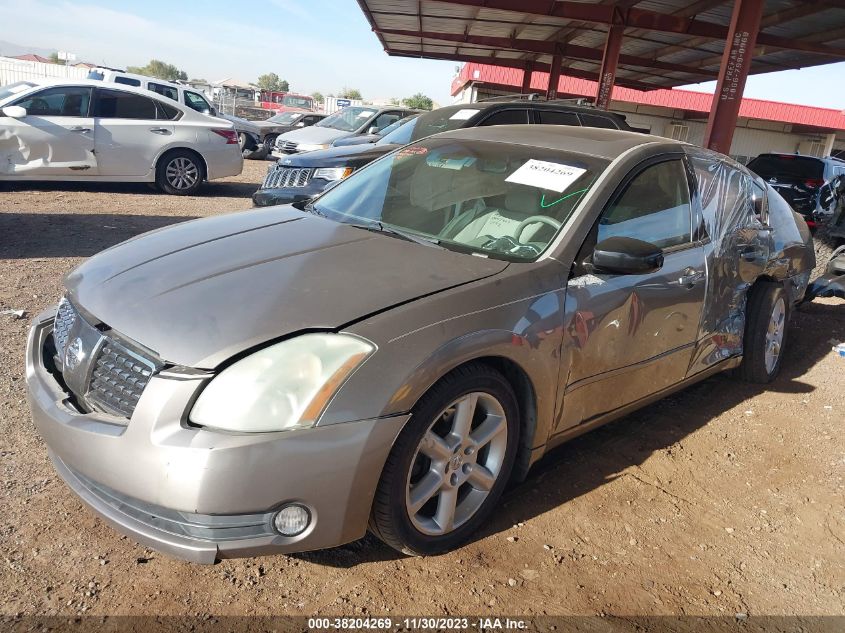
(166, 91)
(127, 81)
(593, 120)
(60, 101)
(654, 207)
(116, 104)
(557, 117)
(167, 112)
(507, 117)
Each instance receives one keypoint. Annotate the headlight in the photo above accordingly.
(310, 147)
(282, 387)
(332, 173)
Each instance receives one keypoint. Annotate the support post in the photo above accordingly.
(526, 78)
(609, 62)
(554, 77)
(736, 62)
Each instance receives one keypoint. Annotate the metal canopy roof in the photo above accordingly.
(666, 42)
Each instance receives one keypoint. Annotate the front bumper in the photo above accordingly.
(289, 195)
(201, 495)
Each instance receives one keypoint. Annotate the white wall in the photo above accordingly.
(12, 70)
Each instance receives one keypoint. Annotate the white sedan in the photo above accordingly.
(85, 131)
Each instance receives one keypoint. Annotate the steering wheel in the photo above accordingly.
(535, 219)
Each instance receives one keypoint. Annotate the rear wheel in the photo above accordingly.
(449, 465)
(180, 173)
(766, 328)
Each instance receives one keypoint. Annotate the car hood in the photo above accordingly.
(200, 292)
(240, 124)
(345, 156)
(315, 134)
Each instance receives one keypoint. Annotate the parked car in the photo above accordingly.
(82, 130)
(365, 139)
(248, 132)
(350, 121)
(393, 354)
(832, 282)
(296, 178)
(815, 187)
(270, 129)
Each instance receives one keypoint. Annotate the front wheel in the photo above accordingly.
(449, 465)
(766, 328)
(180, 173)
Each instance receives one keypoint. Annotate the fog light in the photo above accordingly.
(292, 520)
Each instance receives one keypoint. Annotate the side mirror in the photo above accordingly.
(373, 130)
(212, 112)
(16, 112)
(300, 124)
(627, 256)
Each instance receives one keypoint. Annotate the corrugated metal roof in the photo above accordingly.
(446, 28)
(760, 109)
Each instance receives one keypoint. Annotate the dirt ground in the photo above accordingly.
(723, 499)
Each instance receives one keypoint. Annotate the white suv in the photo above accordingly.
(84, 130)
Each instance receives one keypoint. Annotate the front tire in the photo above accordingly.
(449, 465)
(766, 328)
(180, 173)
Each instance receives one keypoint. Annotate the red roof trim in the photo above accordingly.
(666, 98)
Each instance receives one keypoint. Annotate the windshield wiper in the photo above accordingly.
(381, 227)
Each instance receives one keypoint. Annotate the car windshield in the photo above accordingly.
(349, 119)
(494, 199)
(437, 121)
(398, 133)
(286, 118)
(297, 102)
(11, 90)
(787, 166)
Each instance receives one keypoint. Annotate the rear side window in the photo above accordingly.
(654, 207)
(127, 81)
(167, 112)
(507, 117)
(592, 120)
(196, 102)
(166, 91)
(59, 101)
(116, 104)
(554, 117)
(787, 167)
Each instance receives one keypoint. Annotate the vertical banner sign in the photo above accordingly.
(736, 62)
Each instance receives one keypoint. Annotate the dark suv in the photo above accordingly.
(300, 177)
(814, 187)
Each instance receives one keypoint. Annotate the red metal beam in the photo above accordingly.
(517, 63)
(609, 63)
(526, 78)
(554, 77)
(640, 19)
(736, 62)
(545, 47)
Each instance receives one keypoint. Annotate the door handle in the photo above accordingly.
(80, 129)
(690, 277)
(159, 130)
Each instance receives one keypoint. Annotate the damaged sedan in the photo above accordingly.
(389, 356)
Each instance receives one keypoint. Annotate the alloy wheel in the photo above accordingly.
(182, 173)
(774, 334)
(456, 464)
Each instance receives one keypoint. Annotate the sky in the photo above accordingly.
(314, 44)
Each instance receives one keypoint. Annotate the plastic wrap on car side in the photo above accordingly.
(793, 255)
(736, 253)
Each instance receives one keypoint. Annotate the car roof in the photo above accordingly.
(531, 105)
(600, 142)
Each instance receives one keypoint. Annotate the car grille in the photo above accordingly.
(119, 374)
(65, 318)
(286, 177)
(288, 146)
(119, 378)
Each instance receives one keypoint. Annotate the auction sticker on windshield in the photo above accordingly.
(463, 115)
(546, 175)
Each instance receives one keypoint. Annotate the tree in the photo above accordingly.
(160, 69)
(272, 83)
(318, 97)
(394, 101)
(54, 57)
(349, 93)
(419, 102)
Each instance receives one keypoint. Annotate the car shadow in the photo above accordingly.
(601, 456)
(40, 235)
(213, 189)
